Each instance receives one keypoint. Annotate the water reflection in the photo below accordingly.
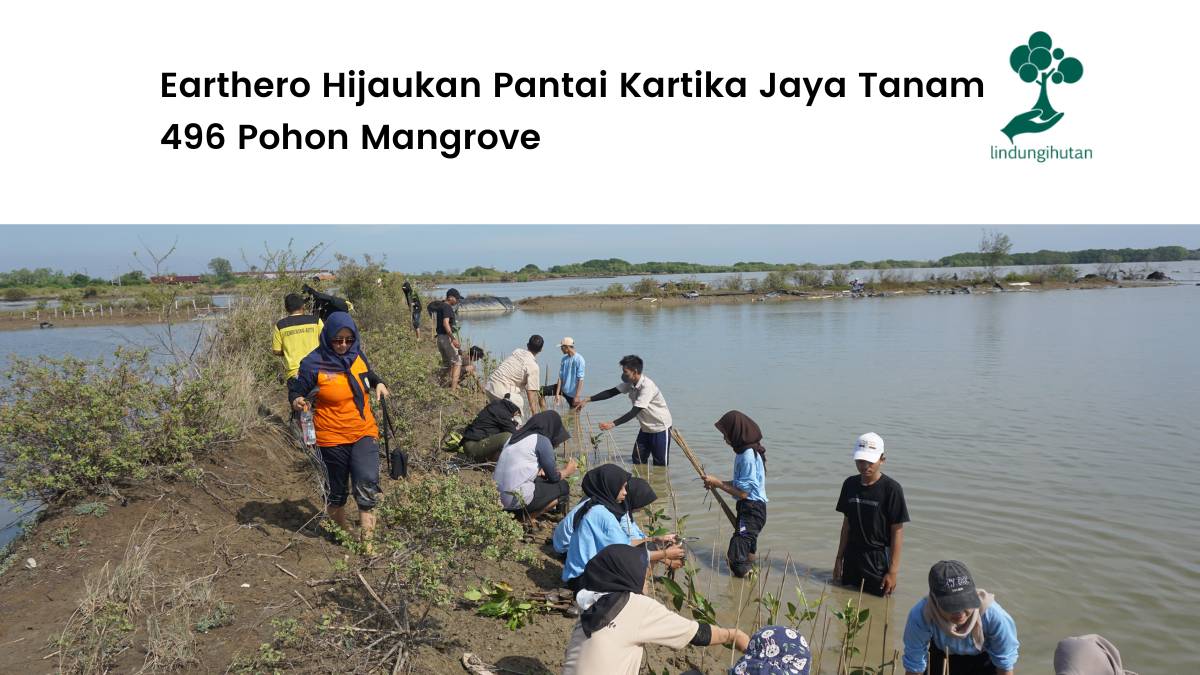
(1043, 438)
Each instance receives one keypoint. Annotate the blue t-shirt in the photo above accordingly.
(598, 529)
(999, 639)
(750, 475)
(566, 527)
(570, 371)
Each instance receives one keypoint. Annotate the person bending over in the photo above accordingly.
(956, 619)
(618, 619)
(649, 407)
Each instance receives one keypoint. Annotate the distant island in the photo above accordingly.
(44, 282)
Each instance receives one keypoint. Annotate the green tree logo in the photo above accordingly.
(1039, 61)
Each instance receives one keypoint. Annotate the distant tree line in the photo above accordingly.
(1084, 257)
(44, 277)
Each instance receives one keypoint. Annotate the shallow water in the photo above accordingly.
(1048, 440)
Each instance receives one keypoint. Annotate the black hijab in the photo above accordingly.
(741, 432)
(495, 417)
(639, 494)
(546, 423)
(602, 485)
(617, 570)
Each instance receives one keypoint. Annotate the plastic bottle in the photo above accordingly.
(306, 425)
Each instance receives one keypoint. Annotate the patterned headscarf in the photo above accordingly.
(774, 650)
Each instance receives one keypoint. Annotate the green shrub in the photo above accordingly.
(439, 526)
(808, 278)
(69, 426)
(733, 282)
(14, 294)
(774, 281)
(412, 378)
(645, 287)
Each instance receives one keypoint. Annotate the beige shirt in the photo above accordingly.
(516, 374)
(654, 416)
(617, 649)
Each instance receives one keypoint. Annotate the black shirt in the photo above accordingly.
(446, 311)
(872, 510)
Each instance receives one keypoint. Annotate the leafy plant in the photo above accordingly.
(97, 509)
(440, 525)
(853, 620)
(62, 536)
(802, 611)
(70, 426)
(221, 615)
(498, 601)
(701, 607)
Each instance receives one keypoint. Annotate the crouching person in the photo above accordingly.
(346, 430)
(527, 476)
(617, 619)
(484, 437)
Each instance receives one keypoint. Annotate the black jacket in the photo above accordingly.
(496, 417)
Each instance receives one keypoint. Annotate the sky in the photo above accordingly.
(102, 251)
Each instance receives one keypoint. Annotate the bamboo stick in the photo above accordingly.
(687, 452)
(887, 617)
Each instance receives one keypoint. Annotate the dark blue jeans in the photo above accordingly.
(652, 445)
(356, 463)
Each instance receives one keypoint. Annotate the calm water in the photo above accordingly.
(1182, 270)
(1048, 440)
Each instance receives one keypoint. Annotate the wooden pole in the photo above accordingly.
(700, 470)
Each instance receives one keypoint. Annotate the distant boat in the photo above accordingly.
(477, 303)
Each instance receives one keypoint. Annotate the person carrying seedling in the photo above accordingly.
(346, 430)
(874, 514)
(748, 486)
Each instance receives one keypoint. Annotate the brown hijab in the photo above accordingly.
(741, 432)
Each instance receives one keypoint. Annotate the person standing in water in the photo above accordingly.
(749, 486)
(874, 514)
(649, 407)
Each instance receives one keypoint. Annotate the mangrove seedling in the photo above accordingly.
(499, 601)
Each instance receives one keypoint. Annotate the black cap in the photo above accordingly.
(453, 293)
(951, 585)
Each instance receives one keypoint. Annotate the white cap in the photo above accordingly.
(869, 447)
(567, 342)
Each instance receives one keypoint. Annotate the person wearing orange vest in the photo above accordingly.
(346, 430)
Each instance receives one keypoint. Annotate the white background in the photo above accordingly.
(82, 117)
